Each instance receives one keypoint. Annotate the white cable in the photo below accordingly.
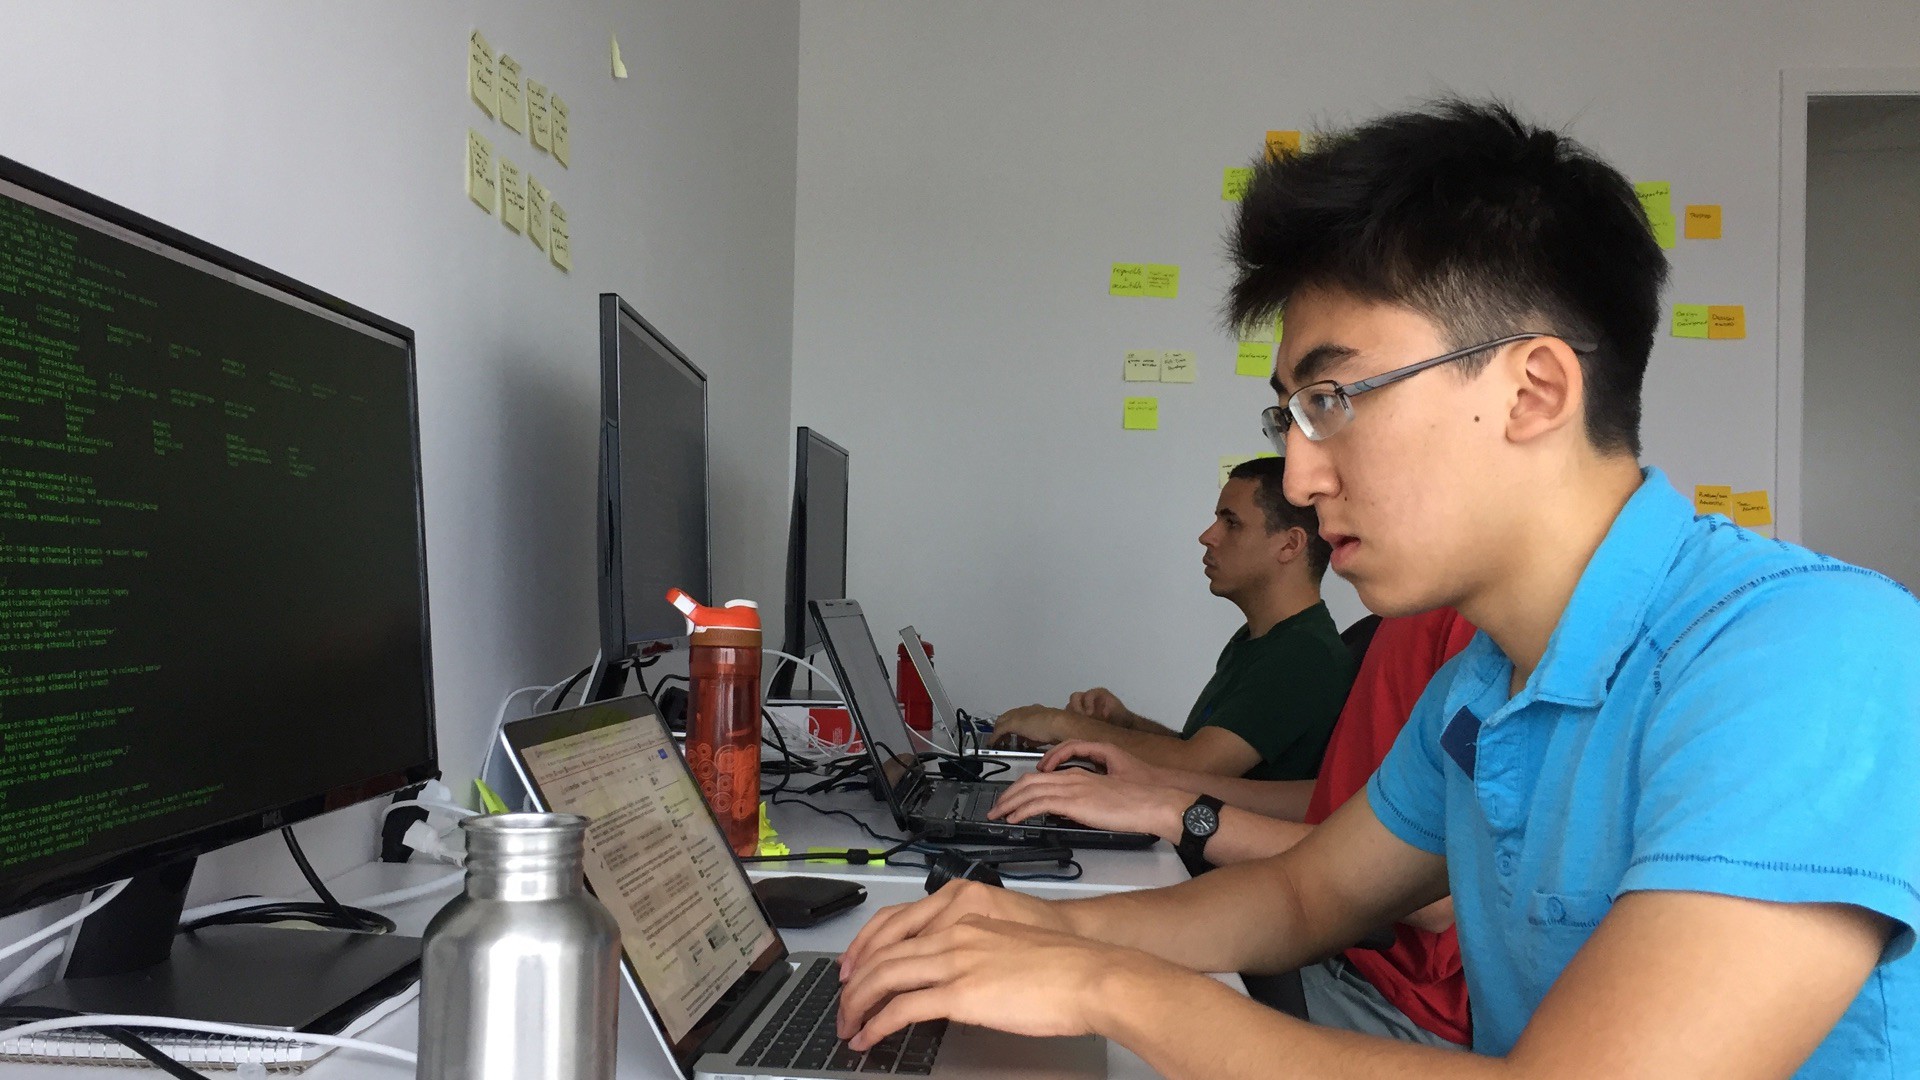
(429, 804)
(18, 977)
(221, 907)
(507, 702)
(48, 931)
(244, 1031)
(411, 892)
(809, 667)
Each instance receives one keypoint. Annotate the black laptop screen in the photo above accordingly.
(869, 696)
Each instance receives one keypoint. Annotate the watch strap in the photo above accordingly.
(1192, 849)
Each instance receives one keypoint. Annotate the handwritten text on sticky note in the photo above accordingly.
(1282, 142)
(1255, 358)
(1713, 499)
(1690, 320)
(1234, 183)
(1141, 414)
(1128, 279)
(1750, 509)
(1143, 365)
(1163, 281)
(481, 70)
(1703, 222)
(1177, 365)
(1726, 322)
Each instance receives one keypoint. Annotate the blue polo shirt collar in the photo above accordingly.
(1617, 589)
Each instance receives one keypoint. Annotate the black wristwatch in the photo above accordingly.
(1197, 826)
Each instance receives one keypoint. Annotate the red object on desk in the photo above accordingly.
(914, 700)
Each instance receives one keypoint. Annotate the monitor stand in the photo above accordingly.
(128, 958)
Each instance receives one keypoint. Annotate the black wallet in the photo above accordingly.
(794, 903)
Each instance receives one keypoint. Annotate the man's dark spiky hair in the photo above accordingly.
(1479, 221)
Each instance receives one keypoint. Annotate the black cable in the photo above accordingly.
(864, 827)
(355, 919)
(118, 1034)
(567, 686)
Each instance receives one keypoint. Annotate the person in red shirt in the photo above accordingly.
(1412, 989)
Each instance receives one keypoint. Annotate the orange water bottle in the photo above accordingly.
(723, 717)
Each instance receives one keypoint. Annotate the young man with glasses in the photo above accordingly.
(1670, 782)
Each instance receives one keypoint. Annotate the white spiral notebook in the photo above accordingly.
(191, 1049)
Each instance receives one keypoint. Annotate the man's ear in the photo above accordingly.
(1549, 389)
(1288, 544)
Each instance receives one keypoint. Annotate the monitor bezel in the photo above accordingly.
(20, 891)
(616, 643)
(798, 624)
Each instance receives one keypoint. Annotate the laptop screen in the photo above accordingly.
(869, 696)
(691, 931)
(929, 678)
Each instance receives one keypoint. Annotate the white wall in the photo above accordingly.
(326, 139)
(1861, 467)
(968, 172)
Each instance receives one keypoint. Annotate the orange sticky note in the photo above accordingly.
(1703, 222)
(1282, 142)
(1713, 499)
(1726, 321)
(1750, 510)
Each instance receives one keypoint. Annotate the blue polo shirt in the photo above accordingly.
(1716, 712)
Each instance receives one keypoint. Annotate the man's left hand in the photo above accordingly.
(1035, 723)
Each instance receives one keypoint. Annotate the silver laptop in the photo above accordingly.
(721, 993)
(950, 717)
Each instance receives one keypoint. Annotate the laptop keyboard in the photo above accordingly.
(801, 1034)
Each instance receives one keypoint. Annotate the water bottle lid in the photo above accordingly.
(734, 615)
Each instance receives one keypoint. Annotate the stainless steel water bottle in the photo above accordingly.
(519, 975)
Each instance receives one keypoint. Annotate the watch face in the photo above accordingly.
(1200, 820)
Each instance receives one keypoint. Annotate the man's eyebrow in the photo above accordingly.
(1313, 366)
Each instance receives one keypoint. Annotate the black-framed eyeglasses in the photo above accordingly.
(1323, 409)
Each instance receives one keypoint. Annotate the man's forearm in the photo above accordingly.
(1237, 918)
(1189, 1027)
(1283, 799)
(1133, 721)
(1149, 746)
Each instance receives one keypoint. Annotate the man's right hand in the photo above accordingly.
(1099, 801)
(1099, 703)
(1117, 762)
(955, 901)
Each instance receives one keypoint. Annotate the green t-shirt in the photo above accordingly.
(1281, 692)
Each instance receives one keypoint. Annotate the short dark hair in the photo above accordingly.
(1479, 221)
(1269, 476)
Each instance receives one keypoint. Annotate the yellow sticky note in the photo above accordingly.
(482, 188)
(1703, 222)
(1129, 279)
(1268, 332)
(1163, 281)
(562, 133)
(1141, 414)
(619, 66)
(770, 843)
(539, 120)
(1713, 499)
(1233, 184)
(489, 802)
(559, 242)
(1282, 142)
(513, 196)
(513, 101)
(480, 73)
(537, 199)
(1255, 358)
(1726, 322)
(1143, 365)
(1750, 509)
(1656, 198)
(1279, 326)
(1664, 231)
(1178, 365)
(1690, 320)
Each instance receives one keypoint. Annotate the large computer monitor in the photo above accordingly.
(816, 543)
(653, 492)
(213, 593)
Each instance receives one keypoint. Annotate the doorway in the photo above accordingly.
(1860, 406)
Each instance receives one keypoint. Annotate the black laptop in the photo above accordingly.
(932, 806)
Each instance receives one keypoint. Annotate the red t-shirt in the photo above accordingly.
(1420, 973)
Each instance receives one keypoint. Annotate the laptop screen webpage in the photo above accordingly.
(690, 927)
(863, 681)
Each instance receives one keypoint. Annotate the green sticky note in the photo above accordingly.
(1665, 230)
(1177, 365)
(489, 802)
(1233, 185)
(1129, 279)
(1255, 358)
(1141, 414)
(1163, 281)
(1656, 198)
(1690, 320)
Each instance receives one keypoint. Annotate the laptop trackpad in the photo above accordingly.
(983, 1052)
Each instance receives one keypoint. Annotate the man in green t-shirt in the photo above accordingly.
(1280, 681)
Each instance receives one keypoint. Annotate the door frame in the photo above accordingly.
(1798, 88)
